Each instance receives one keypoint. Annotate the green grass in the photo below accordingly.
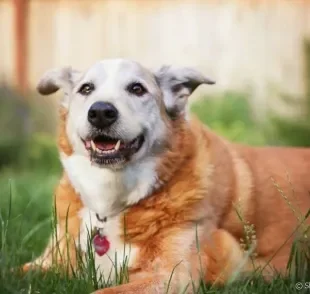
(26, 203)
(26, 224)
(230, 115)
(27, 187)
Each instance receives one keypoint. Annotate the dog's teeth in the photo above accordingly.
(98, 150)
(93, 146)
(117, 145)
(135, 144)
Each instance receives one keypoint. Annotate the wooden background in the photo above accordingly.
(250, 46)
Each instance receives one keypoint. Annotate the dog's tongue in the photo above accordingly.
(105, 145)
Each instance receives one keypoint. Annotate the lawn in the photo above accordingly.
(25, 203)
(26, 209)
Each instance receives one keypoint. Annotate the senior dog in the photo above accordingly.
(145, 180)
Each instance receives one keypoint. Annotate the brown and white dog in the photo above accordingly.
(157, 187)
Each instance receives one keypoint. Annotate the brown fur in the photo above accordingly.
(203, 177)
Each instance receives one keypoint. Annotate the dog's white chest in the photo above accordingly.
(105, 191)
(101, 190)
(119, 255)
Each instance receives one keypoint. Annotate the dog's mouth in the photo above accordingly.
(105, 150)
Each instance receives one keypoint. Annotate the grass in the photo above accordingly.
(25, 206)
(26, 223)
(26, 211)
(26, 203)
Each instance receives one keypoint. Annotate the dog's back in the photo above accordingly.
(274, 198)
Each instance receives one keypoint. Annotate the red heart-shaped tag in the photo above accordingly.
(101, 244)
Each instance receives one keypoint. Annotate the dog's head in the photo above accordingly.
(118, 111)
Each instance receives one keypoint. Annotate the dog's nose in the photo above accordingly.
(102, 114)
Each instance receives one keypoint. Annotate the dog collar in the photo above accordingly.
(100, 241)
(103, 220)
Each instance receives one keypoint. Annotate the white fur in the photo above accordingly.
(106, 191)
(119, 255)
(136, 114)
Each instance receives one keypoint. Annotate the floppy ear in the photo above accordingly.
(55, 79)
(177, 84)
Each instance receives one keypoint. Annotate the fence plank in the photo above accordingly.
(253, 46)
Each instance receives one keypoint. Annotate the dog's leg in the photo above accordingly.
(144, 286)
(61, 250)
(220, 256)
(224, 257)
(274, 263)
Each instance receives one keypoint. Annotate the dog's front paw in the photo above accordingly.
(31, 266)
(152, 285)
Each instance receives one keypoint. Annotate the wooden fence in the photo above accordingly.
(253, 46)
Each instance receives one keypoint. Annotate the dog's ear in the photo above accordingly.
(177, 84)
(55, 79)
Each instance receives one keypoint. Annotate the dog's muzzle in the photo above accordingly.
(104, 147)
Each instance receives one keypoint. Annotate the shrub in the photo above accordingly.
(295, 132)
(230, 115)
(26, 126)
(41, 153)
(13, 126)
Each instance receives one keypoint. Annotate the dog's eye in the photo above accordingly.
(177, 88)
(136, 89)
(86, 89)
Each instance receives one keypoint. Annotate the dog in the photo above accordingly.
(146, 180)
